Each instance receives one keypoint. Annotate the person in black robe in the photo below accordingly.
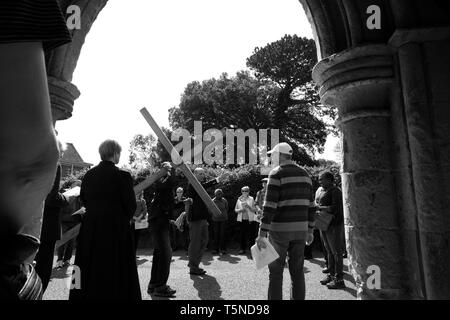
(105, 251)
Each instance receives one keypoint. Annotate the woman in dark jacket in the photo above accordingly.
(105, 252)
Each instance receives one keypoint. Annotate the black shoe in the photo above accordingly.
(165, 292)
(325, 270)
(327, 279)
(336, 284)
(198, 272)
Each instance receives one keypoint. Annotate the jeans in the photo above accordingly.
(219, 235)
(334, 245)
(199, 236)
(162, 252)
(292, 245)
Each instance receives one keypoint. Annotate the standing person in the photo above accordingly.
(68, 221)
(28, 153)
(139, 219)
(330, 201)
(287, 220)
(105, 250)
(160, 213)
(197, 217)
(178, 237)
(259, 201)
(51, 230)
(219, 222)
(326, 269)
(245, 209)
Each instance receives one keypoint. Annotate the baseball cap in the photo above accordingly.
(282, 147)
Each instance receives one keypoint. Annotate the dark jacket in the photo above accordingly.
(333, 197)
(162, 203)
(51, 221)
(198, 210)
(105, 250)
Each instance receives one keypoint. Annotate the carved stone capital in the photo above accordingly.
(62, 96)
(354, 79)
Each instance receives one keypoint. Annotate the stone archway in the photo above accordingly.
(391, 86)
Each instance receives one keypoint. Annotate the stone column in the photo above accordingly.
(359, 82)
(423, 58)
(62, 61)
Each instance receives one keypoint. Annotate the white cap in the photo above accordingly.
(282, 147)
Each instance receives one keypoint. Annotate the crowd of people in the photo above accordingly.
(284, 211)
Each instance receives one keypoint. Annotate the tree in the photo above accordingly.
(143, 152)
(279, 94)
(288, 62)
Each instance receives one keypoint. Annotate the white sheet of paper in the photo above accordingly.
(264, 256)
(141, 224)
(74, 192)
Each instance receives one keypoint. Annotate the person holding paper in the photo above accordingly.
(245, 209)
(287, 220)
(330, 201)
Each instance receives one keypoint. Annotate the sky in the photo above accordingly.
(143, 53)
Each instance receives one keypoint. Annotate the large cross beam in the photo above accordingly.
(183, 167)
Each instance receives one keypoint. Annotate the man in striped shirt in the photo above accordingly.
(287, 220)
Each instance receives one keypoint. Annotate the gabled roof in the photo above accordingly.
(71, 156)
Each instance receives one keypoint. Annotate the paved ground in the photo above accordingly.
(229, 277)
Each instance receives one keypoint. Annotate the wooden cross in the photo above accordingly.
(73, 232)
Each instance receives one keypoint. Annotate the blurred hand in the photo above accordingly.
(309, 238)
(260, 242)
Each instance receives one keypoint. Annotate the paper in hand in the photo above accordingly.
(264, 256)
(74, 192)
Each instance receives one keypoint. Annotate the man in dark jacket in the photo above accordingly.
(330, 200)
(161, 209)
(197, 217)
(51, 230)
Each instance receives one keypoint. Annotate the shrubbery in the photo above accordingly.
(231, 182)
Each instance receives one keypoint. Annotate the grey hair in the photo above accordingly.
(108, 149)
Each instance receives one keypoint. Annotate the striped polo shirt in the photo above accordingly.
(288, 199)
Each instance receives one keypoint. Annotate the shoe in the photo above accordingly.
(66, 263)
(198, 272)
(336, 284)
(165, 292)
(325, 270)
(59, 264)
(329, 278)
